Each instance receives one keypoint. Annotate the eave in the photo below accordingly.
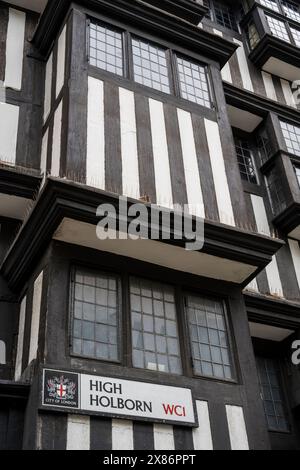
(62, 201)
(18, 188)
(14, 391)
(272, 47)
(273, 311)
(20, 183)
(140, 14)
(257, 104)
(289, 219)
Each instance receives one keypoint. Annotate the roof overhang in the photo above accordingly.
(289, 221)
(147, 17)
(67, 212)
(277, 57)
(273, 311)
(17, 190)
(257, 105)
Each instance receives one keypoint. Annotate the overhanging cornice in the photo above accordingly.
(257, 104)
(60, 200)
(144, 15)
(272, 311)
(19, 183)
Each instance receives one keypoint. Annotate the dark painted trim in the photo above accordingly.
(19, 182)
(272, 311)
(146, 16)
(60, 199)
(13, 390)
(258, 105)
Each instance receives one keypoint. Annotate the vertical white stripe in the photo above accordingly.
(15, 49)
(274, 278)
(19, 358)
(225, 72)
(243, 65)
(253, 286)
(260, 214)
(122, 435)
(202, 436)
(219, 173)
(130, 161)
(9, 119)
(48, 87)
(288, 94)
(35, 318)
(263, 228)
(78, 432)
(61, 61)
(237, 428)
(190, 161)
(160, 154)
(95, 161)
(295, 252)
(56, 142)
(44, 152)
(163, 437)
(269, 86)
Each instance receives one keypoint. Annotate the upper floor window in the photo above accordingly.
(95, 310)
(106, 49)
(148, 64)
(223, 14)
(291, 135)
(155, 340)
(209, 337)
(278, 28)
(252, 35)
(296, 36)
(264, 146)
(291, 9)
(275, 191)
(193, 82)
(272, 394)
(245, 161)
(272, 4)
(152, 311)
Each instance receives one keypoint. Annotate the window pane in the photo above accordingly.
(225, 16)
(272, 393)
(106, 48)
(278, 28)
(245, 161)
(291, 135)
(272, 4)
(95, 318)
(150, 65)
(209, 338)
(275, 191)
(193, 82)
(296, 36)
(154, 327)
(291, 10)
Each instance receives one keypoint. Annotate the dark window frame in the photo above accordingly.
(172, 64)
(229, 333)
(125, 323)
(72, 317)
(212, 16)
(238, 140)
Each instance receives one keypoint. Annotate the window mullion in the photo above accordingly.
(128, 61)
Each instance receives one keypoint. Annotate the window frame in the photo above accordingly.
(229, 330)
(171, 58)
(267, 352)
(125, 322)
(71, 315)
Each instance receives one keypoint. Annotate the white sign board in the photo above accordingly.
(116, 397)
